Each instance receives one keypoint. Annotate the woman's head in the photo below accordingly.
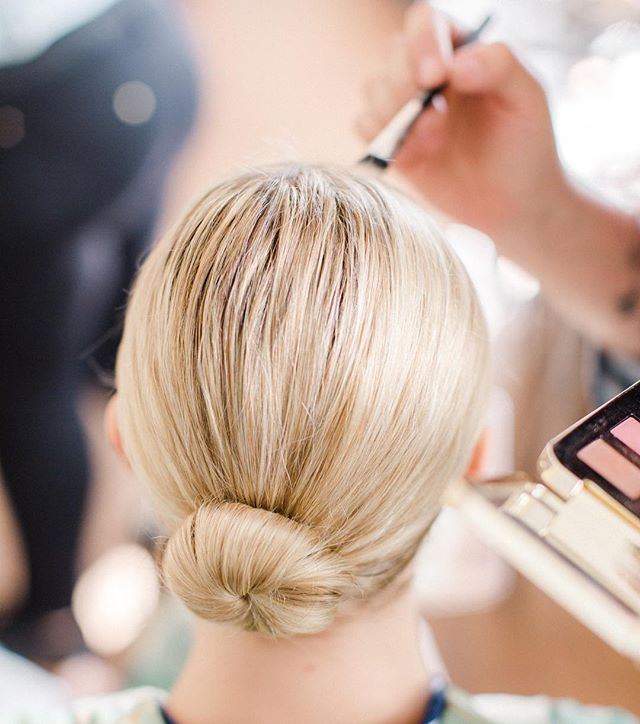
(303, 370)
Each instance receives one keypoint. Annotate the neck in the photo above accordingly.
(367, 667)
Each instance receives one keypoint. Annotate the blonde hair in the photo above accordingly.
(303, 371)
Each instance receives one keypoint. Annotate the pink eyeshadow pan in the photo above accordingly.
(613, 467)
(628, 432)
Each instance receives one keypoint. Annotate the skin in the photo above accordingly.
(487, 157)
(14, 579)
(239, 676)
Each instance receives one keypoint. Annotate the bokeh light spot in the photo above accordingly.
(134, 103)
(115, 597)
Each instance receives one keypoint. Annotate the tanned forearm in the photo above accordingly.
(586, 255)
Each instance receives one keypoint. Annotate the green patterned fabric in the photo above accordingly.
(142, 706)
(134, 706)
(507, 709)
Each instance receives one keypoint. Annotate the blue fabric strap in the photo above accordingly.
(437, 704)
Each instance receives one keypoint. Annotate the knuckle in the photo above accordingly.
(504, 53)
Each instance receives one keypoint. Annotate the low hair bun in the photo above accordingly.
(256, 569)
(307, 341)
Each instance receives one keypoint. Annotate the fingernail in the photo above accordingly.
(439, 103)
(429, 72)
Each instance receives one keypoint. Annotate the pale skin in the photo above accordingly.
(488, 159)
(370, 666)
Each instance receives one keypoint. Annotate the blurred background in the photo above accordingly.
(284, 80)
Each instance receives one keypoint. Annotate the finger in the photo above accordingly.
(430, 38)
(426, 140)
(492, 68)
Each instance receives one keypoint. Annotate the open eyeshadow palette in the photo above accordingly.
(576, 532)
(605, 449)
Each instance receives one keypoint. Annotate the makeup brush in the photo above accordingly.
(385, 145)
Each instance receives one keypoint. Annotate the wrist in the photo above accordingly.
(586, 255)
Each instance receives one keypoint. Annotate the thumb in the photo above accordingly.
(492, 69)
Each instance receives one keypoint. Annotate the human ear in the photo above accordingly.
(112, 429)
(478, 457)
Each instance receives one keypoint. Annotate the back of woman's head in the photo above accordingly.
(303, 370)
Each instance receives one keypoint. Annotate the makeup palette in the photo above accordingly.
(576, 532)
(604, 449)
